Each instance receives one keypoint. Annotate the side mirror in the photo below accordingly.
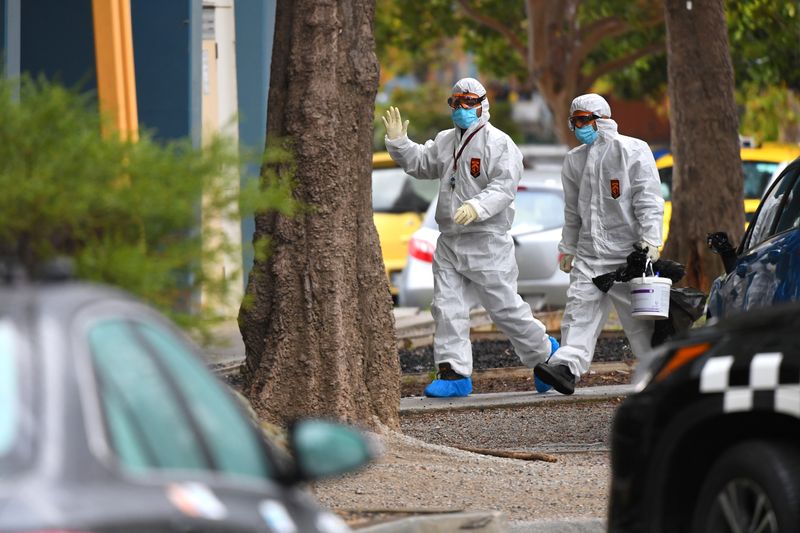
(324, 449)
(720, 244)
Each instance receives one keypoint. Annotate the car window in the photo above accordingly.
(665, 175)
(18, 401)
(761, 228)
(9, 395)
(394, 191)
(790, 214)
(232, 440)
(756, 177)
(538, 210)
(147, 426)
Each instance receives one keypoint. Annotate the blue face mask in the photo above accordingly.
(464, 118)
(586, 134)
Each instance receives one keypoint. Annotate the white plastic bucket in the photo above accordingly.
(650, 297)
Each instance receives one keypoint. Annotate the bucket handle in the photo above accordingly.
(648, 264)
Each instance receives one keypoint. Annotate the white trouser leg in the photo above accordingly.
(584, 317)
(497, 292)
(638, 331)
(450, 310)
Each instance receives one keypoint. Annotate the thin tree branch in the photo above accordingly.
(495, 25)
(585, 82)
(607, 28)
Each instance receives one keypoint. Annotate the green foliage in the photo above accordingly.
(765, 42)
(764, 37)
(771, 113)
(127, 212)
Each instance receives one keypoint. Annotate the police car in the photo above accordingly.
(711, 442)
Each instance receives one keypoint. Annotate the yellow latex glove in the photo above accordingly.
(565, 264)
(652, 250)
(395, 127)
(465, 214)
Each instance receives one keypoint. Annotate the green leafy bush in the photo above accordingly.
(128, 213)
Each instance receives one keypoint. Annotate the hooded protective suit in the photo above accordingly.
(480, 166)
(613, 200)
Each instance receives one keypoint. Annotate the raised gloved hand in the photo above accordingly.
(651, 249)
(565, 264)
(465, 214)
(395, 127)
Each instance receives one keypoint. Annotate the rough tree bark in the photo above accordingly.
(707, 181)
(319, 329)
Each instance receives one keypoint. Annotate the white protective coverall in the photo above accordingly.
(479, 256)
(612, 196)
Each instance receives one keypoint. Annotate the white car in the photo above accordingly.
(536, 232)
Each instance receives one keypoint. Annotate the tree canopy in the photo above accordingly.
(563, 48)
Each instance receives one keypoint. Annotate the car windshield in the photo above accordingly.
(14, 448)
(536, 210)
(756, 177)
(394, 191)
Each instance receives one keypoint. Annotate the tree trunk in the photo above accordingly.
(317, 321)
(707, 181)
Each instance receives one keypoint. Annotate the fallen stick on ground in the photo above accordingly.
(524, 456)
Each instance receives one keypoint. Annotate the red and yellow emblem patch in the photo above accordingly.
(475, 167)
(615, 189)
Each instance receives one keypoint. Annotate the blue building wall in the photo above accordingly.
(57, 41)
(166, 55)
(255, 28)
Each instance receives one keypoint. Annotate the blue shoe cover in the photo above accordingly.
(449, 388)
(540, 385)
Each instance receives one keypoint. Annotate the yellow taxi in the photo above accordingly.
(399, 203)
(759, 164)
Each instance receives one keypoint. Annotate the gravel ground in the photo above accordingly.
(420, 470)
(500, 354)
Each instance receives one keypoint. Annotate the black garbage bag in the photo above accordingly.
(686, 305)
(635, 266)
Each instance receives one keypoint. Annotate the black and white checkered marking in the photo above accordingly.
(764, 380)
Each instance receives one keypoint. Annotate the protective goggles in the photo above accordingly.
(465, 100)
(579, 121)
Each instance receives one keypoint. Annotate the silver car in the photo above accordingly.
(536, 232)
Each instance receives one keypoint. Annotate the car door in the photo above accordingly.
(766, 269)
(170, 423)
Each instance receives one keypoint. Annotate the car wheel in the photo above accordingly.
(753, 487)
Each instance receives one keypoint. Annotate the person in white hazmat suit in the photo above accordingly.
(479, 168)
(613, 201)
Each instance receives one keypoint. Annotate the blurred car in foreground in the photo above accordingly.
(711, 443)
(766, 268)
(110, 423)
(536, 232)
(759, 165)
(398, 205)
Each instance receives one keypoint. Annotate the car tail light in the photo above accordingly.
(422, 250)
